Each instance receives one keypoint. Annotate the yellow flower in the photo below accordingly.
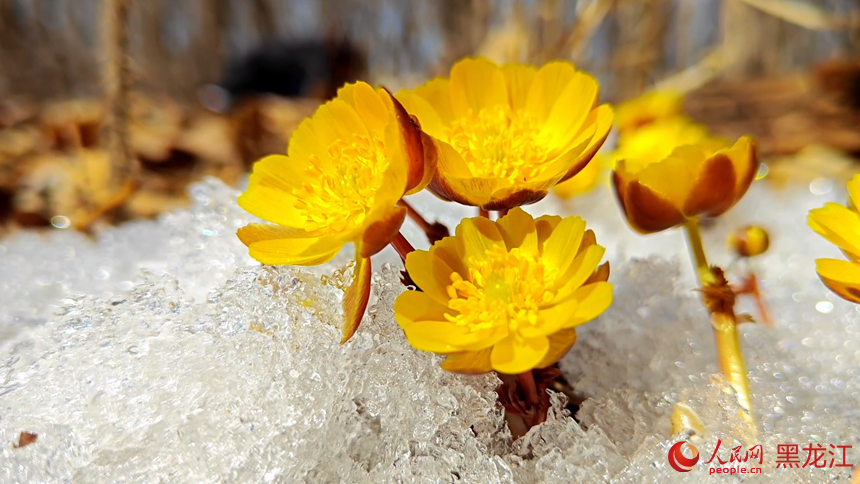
(647, 108)
(504, 295)
(841, 226)
(506, 135)
(672, 172)
(346, 169)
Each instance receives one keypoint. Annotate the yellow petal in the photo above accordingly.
(453, 182)
(713, 190)
(580, 270)
(548, 82)
(338, 121)
(304, 142)
(431, 122)
(469, 362)
(854, 191)
(674, 176)
(545, 224)
(451, 163)
(477, 84)
(519, 78)
(396, 178)
(571, 108)
(561, 246)
(551, 319)
(593, 300)
(451, 251)
(599, 275)
(431, 274)
(646, 210)
(272, 205)
(371, 108)
(355, 298)
(444, 337)
(744, 156)
(570, 159)
(514, 355)
(559, 344)
(601, 119)
(381, 228)
(290, 251)
(841, 277)
(519, 194)
(252, 233)
(479, 236)
(437, 92)
(518, 230)
(278, 172)
(839, 225)
(412, 306)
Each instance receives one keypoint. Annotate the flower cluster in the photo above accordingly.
(503, 294)
(499, 295)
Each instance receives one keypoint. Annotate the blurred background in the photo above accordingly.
(109, 108)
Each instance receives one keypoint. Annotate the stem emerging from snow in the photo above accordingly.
(725, 324)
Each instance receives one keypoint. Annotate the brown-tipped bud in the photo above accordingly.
(749, 241)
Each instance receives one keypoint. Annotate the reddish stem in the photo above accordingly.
(503, 212)
(434, 232)
(483, 213)
(527, 382)
(402, 246)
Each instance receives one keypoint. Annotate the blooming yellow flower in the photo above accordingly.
(841, 226)
(506, 135)
(671, 172)
(504, 295)
(346, 169)
(647, 108)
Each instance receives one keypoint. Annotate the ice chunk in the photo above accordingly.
(209, 367)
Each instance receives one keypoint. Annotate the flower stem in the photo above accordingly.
(529, 388)
(483, 213)
(725, 325)
(502, 212)
(402, 246)
(434, 231)
(697, 252)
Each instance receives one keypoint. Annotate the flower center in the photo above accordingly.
(498, 143)
(505, 290)
(340, 190)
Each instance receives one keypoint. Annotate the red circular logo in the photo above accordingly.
(677, 459)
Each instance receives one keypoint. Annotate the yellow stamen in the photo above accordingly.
(505, 290)
(498, 143)
(342, 187)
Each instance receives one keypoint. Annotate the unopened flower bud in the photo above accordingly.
(749, 241)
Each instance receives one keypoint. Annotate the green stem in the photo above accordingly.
(725, 326)
(697, 253)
